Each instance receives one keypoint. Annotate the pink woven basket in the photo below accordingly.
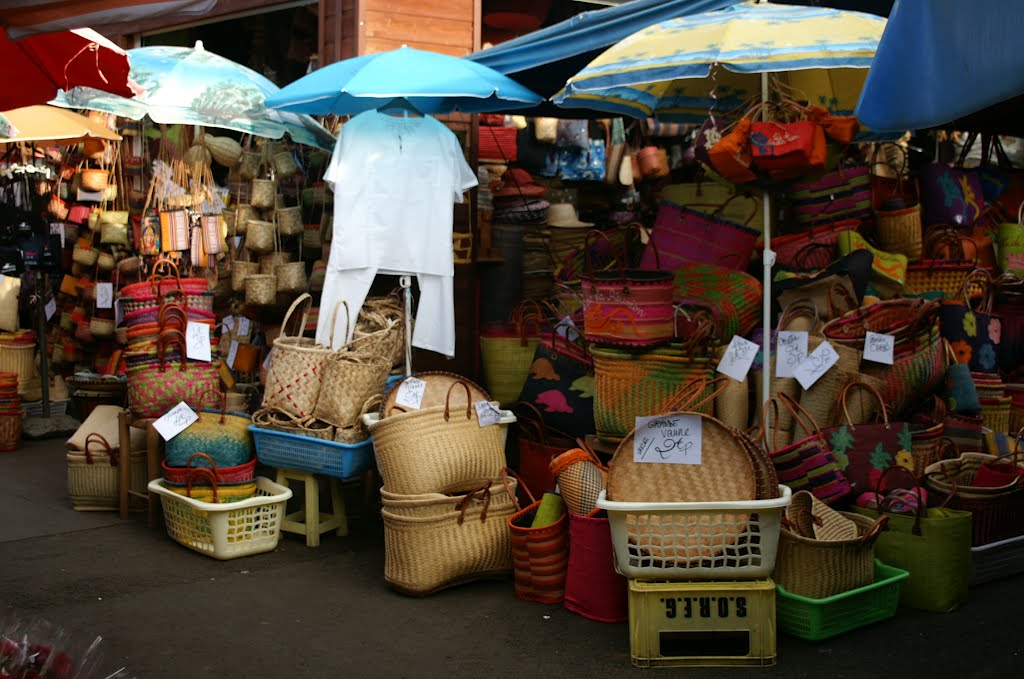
(242, 473)
(592, 587)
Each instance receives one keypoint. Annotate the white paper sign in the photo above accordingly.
(878, 347)
(791, 350)
(228, 323)
(57, 229)
(104, 295)
(815, 365)
(50, 308)
(567, 329)
(738, 358)
(231, 353)
(197, 342)
(410, 393)
(487, 413)
(668, 439)
(174, 421)
(243, 326)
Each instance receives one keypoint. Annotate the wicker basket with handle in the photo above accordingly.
(296, 367)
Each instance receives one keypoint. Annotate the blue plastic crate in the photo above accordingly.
(290, 451)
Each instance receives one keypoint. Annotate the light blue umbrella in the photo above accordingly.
(191, 86)
(433, 83)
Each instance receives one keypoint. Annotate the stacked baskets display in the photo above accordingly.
(17, 355)
(445, 505)
(11, 412)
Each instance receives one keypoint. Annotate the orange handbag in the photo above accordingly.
(731, 156)
(838, 128)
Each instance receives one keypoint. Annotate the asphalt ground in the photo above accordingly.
(165, 611)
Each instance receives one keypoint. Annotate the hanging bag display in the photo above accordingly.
(731, 156)
(630, 307)
(786, 146)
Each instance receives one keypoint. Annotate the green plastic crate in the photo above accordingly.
(817, 619)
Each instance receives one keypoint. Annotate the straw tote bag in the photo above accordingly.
(437, 447)
(540, 555)
(296, 364)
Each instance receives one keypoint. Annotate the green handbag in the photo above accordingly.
(934, 546)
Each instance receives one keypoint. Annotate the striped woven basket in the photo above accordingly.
(630, 384)
(995, 414)
(735, 295)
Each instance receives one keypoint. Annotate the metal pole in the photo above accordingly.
(43, 368)
(769, 262)
(406, 283)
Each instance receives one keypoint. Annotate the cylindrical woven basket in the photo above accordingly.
(271, 260)
(260, 235)
(997, 512)
(18, 359)
(244, 213)
(349, 379)
(296, 365)
(264, 193)
(441, 539)
(506, 362)
(829, 561)
(289, 221)
(437, 447)
(93, 178)
(995, 414)
(540, 556)
(260, 289)
(900, 231)
(291, 277)
(284, 164)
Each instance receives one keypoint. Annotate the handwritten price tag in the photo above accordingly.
(232, 352)
(878, 347)
(50, 308)
(174, 421)
(243, 326)
(228, 324)
(738, 358)
(487, 413)
(104, 295)
(197, 342)
(815, 365)
(672, 439)
(410, 393)
(792, 349)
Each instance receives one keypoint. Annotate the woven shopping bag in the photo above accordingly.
(296, 364)
(421, 451)
(972, 330)
(685, 234)
(626, 307)
(435, 540)
(865, 451)
(154, 389)
(221, 434)
(539, 444)
(735, 295)
(814, 248)
(540, 555)
(593, 588)
(507, 351)
(842, 194)
(809, 463)
(934, 545)
(349, 379)
(561, 383)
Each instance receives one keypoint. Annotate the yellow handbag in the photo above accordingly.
(888, 270)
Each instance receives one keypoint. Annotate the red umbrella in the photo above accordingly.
(35, 67)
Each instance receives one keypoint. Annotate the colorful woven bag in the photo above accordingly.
(973, 331)
(560, 383)
(814, 248)
(540, 555)
(844, 193)
(628, 307)
(682, 235)
(222, 435)
(155, 389)
(735, 295)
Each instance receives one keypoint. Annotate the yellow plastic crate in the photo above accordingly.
(702, 624)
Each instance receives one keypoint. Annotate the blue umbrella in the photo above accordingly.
(433, 83)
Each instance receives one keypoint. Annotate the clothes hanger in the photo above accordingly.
(400, 104)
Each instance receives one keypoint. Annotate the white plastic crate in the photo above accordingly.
(677, 541)
(997, 560)
(229, 530)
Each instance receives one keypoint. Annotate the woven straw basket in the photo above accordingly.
(18, 359)
(437, 540)
(240, 271)
(284, 164)
(900, 231)
(291, 277)
(271, 260)
(276, 420)
(261, 289)
(264, 193)
(296, 364)
(93, 476)
(10, 431)
(289, 221)
(380, 329)
(824, 552)
(349, 379)
(260, 235)
(436, 447)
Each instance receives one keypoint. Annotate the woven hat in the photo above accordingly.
(564, 215)
(517, 182)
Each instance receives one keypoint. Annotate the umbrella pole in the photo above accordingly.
(769, 261)
(406, 283)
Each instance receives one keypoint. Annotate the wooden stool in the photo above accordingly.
(154, 455)
(300, 522)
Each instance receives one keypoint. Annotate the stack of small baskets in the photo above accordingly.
(11, 413)
(445, 506)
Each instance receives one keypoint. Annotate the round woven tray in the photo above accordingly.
(725, 472)
(435, 392)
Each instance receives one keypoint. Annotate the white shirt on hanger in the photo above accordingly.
(396, 180)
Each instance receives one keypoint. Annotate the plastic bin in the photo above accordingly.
(997, 560)
(35, 408)
(290, 451)
(695, 540)
(702, 624)
(226, 531)
(816, 619)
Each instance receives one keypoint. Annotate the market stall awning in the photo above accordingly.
(941, 61)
